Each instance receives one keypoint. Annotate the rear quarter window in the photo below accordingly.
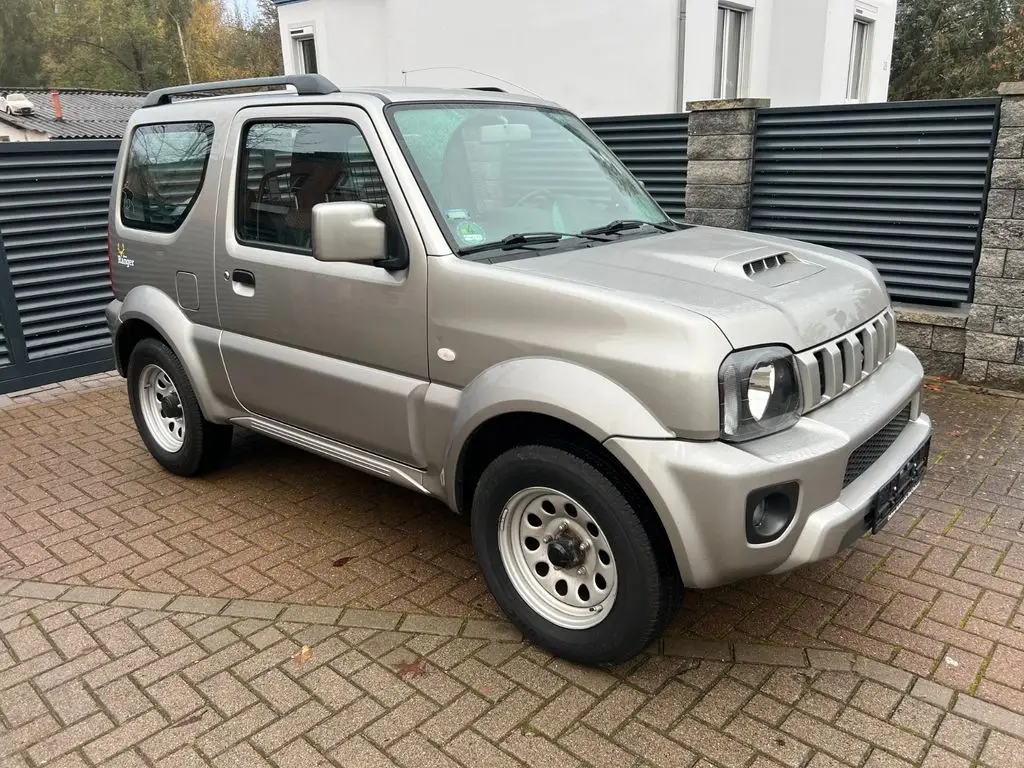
(164, 172)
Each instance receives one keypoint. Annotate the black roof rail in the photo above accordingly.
(487, 88)
(306, 85)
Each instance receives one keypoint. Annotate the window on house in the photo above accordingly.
(855, 88)
(287, 168)
(164, 173)
(307, 55)
(730, 44)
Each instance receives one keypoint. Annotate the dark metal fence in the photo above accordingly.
(653, 148)
(54, 279)
(902, 184)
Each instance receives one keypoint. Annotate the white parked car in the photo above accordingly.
(16, 104)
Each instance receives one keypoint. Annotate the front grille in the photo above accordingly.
(872, 449)
(836, 366)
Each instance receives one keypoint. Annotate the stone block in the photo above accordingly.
(1010, 142)
(706, 105)
(732, 147)
(717, 195)
(1009, 321)
(720, 172)
(975, 371)
(1011, 88)
(1005, 376)
(1013, 266)
(990, 263)
(991, 346)
(981, 316)
(945, 317)
(719, 123)
(1000, 203)
(914, 335)
(726, 218)
(1002, 233)
(1019, 358)
(1018, 205)
(949, 340)
(1007, 174)
(1011, 113)
(1000, 291)
(948, 364)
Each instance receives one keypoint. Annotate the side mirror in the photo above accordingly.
(348, 231)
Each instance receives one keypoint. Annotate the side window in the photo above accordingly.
(164, 172)
(287, 168)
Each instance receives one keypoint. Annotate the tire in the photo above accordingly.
(643, 589)
(195, 445)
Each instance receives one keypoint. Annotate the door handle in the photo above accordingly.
(243, 282)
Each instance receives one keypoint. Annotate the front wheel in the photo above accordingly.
(167, 412)
(571, 555)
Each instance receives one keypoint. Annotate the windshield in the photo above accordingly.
(495, 170)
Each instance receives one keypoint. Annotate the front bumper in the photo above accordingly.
(700, 489)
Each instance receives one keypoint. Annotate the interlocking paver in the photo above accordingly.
(148, 619)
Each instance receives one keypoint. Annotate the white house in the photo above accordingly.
(602, 57)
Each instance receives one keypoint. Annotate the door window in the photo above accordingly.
(289, 167)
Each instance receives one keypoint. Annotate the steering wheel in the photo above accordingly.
(544, 194)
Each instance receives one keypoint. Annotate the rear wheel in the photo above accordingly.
(167, 412)
(571, 555)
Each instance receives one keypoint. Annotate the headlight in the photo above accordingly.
(760, 393)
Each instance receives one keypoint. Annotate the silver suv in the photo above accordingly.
(467, 294)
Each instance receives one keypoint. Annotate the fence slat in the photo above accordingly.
(53, 238)
(902, 184)
(653, 148)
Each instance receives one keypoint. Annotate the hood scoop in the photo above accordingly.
(764, 263)
(768, 266)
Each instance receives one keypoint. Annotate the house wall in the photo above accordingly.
(597, 57)
(10, 132)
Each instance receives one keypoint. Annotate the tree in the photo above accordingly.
(943, 48)
(21, 42)
(113, 44)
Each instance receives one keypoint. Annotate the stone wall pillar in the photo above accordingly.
(720, 151)
(995, 327)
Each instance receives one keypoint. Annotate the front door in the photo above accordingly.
(337, 349)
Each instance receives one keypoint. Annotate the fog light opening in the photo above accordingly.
(770, 511)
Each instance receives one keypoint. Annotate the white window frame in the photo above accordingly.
(736, 13)
(302, 34)
(856, 74)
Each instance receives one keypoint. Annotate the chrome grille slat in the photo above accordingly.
(828, 370)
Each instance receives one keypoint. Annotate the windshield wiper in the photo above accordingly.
(529, 238)
(620, 225)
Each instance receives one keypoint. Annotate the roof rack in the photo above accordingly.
(306, 85)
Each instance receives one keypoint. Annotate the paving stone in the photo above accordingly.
(178, 647)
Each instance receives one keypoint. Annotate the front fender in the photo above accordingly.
(581, 397)
(196, 346)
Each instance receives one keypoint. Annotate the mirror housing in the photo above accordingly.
(348, 231)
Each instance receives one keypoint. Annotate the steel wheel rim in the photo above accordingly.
(161, 408)
(558, 558)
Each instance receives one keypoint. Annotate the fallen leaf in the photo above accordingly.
(932, 387)
(343, 561)
(304, 655)
(957, 433)
(410, 669)
(189, 720)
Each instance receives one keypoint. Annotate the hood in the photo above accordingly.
(757, 289)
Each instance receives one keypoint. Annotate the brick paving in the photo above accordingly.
(151, 620)
(120, 678)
